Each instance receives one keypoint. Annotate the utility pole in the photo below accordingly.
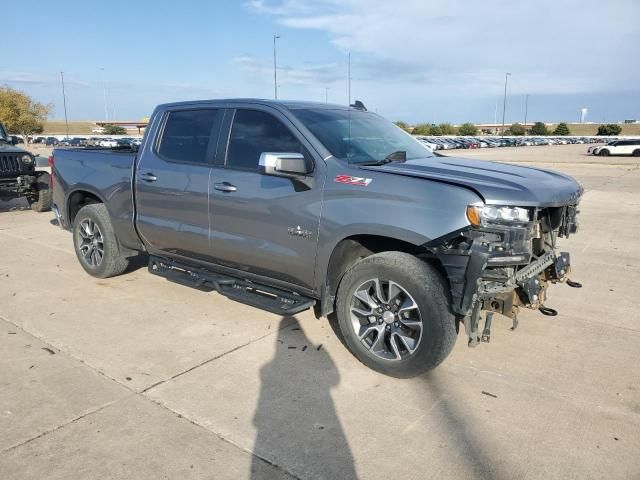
(104, 95)
(349, 79)
(504, 102)
(526, 107)
(275, 67)
(64, 101)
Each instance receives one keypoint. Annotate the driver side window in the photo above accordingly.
(254, 132)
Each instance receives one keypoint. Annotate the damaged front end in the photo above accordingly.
(505, 260)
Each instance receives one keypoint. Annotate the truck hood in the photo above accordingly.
(8, 148)
(497, 183)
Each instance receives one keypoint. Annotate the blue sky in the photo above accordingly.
(415, 60)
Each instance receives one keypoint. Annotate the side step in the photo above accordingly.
(256, 295)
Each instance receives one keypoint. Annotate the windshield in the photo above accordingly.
(359, 137)
(3, 134)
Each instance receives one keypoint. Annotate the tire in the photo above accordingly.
(416, 350)
(41, 200)
(636, 152)
(603, 153)
(95, 242)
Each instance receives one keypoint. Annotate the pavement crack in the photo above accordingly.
(63, 425)
(209, 360)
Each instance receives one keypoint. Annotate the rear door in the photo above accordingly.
(266, 225)
(172, 182)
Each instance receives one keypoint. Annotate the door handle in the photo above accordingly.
(148, 177)
(225, 187)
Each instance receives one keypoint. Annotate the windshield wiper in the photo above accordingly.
(397, 156)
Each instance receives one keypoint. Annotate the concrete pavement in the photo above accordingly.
(136, 377)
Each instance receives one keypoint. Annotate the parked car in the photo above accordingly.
(108, 142)
(292, 205)
(51, 141)
(21, 177)
(619, 147)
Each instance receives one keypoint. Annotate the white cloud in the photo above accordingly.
(465, 45)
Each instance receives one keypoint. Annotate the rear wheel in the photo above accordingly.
(636, 152)
(40, 200)
(95, 242)
(604, 152)
(393, 311)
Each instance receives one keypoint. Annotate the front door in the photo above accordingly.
(172, 183)
(265, 224)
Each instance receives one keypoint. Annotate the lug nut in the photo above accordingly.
(396, 324)
(388, 328)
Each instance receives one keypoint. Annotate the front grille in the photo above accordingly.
(9, 164)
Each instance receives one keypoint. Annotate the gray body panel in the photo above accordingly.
(183, 215)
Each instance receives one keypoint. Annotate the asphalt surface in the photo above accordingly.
(136, 377)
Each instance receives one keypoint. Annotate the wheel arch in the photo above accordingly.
(78, 198)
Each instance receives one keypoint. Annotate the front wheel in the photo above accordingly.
(604, 153)
(95, 242)
(393, 311)
(40, 199)
(636, 152)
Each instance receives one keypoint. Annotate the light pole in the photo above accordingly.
(326, 94)
(504, 102)
(64, 101)
(275, 67)
(104, 95)
(526, 108)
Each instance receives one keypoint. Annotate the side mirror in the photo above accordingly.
(285, 164)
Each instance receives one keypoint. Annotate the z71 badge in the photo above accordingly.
(348, 179)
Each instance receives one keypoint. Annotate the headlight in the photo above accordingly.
(27, 159)
(483, 214)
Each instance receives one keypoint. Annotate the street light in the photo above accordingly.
(64, 100)
(504, 102)
(104, 95)
(326, 94)
(275, 67)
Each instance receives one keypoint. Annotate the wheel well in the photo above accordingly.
(352, 249)
(79, 199)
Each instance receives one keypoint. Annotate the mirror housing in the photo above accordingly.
(285, 164)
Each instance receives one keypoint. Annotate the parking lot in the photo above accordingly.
(136, 377)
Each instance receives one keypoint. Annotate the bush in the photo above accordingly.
(110, 129)
(435, 130)
(446, 129)
(539, 128)
(562, 129)
(515, 129)
(468, 129)
(421, 129)
(403, 125)
(609, 129)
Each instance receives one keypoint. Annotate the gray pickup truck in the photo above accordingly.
(287, 206)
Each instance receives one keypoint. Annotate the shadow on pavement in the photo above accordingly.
(461, 431)
(295, 416)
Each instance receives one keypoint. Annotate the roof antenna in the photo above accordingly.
(358, 105)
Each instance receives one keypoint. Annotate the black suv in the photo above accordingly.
(19, 177)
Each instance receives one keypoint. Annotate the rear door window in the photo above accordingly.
(186, 135)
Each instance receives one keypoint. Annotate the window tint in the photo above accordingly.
(186, 135)
(254, 132)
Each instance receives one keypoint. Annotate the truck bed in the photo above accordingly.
(102, 172)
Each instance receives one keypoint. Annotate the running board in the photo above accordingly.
(271, 299)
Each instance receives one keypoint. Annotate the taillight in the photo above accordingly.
(51, 162)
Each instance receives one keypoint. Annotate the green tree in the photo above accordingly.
(515, 129)
(421, 129)
(447, 129)
(468, 129)
(20, 113)
(403, 125)
(562, 129)
(609, 129)
(110, 129)
(435, 130)
(539, 128)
